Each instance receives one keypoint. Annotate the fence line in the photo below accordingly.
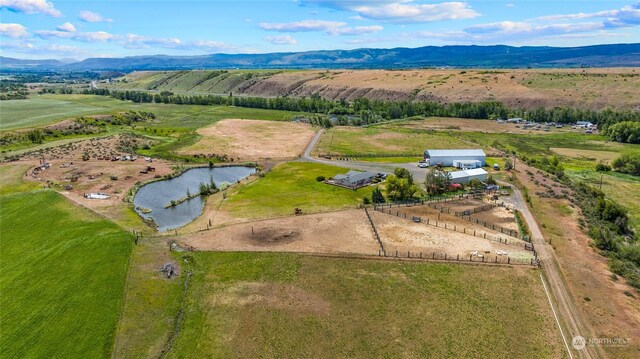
(480, 258)
(443, 224)
(375, 231)
(370, 155)
(434, 204)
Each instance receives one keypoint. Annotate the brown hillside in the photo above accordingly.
(584, 88)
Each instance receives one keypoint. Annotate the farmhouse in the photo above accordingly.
(354, 179)
(465, 176)
(447, 157)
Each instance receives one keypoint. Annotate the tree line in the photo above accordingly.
(364, 111)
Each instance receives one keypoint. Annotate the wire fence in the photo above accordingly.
(471, 258)
(456, 228)
(375, 231)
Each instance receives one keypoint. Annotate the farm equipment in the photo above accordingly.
(148, 169)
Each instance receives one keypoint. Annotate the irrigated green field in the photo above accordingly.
(63, 278)
(272, 305)
(290, 185)
(51, 108)
(386, 139)
(41, 111)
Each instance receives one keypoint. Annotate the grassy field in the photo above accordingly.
(20, 113)
(41, 111)
(11, 179)
(151, 303)
(63, 277)
(385, 140)
(286, 305)
(290, 185)
(622, 188)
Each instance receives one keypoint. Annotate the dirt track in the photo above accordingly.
(568, 311)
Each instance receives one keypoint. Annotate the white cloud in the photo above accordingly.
(329, 27)
(510, 5)
(552, 27)
(43, 51)
(624, 17)
(281, 40)
(358, 30)
(14, 31)
(97, 36)
(302, 26)
(90, 16)
(67, 27)
(133, 41)
(402, 11)
(30, 7)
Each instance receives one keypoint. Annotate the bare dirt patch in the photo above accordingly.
(403, 235)
(500, 216)
(271, 295)
(74, 177)
(253, 139)
(334, 232)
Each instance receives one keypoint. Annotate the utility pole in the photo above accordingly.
(601, 182)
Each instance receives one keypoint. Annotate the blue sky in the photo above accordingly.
(40, 29)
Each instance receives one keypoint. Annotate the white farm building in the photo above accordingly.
(465, 176)
(471, 158)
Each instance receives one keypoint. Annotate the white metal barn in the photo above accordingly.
(465, 176)
(447, 157)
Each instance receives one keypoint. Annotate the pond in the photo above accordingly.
(157, 195)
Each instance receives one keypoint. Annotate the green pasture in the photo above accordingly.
(286, 305)
(292, 185)
(63, 278)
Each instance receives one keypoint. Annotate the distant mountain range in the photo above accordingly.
(499, 56)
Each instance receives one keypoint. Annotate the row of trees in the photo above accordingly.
(365, 111)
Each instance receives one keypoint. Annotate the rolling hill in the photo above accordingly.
(498, 56)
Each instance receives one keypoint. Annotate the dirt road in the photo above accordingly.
(570, 316)
(565, 304)
(419, 174)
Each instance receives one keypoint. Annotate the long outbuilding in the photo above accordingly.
(465, 176)
(447, 157)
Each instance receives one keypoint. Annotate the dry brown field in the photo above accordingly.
(252, 140)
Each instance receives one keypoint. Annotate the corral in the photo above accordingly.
(335, 232)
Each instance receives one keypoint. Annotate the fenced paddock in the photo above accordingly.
(415, 235)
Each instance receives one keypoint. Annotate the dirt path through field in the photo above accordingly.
(566, 306)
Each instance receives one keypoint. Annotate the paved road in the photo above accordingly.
(566, 306)
(419, 174)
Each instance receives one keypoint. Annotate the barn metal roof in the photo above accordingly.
(468, 173)
(455, 153)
